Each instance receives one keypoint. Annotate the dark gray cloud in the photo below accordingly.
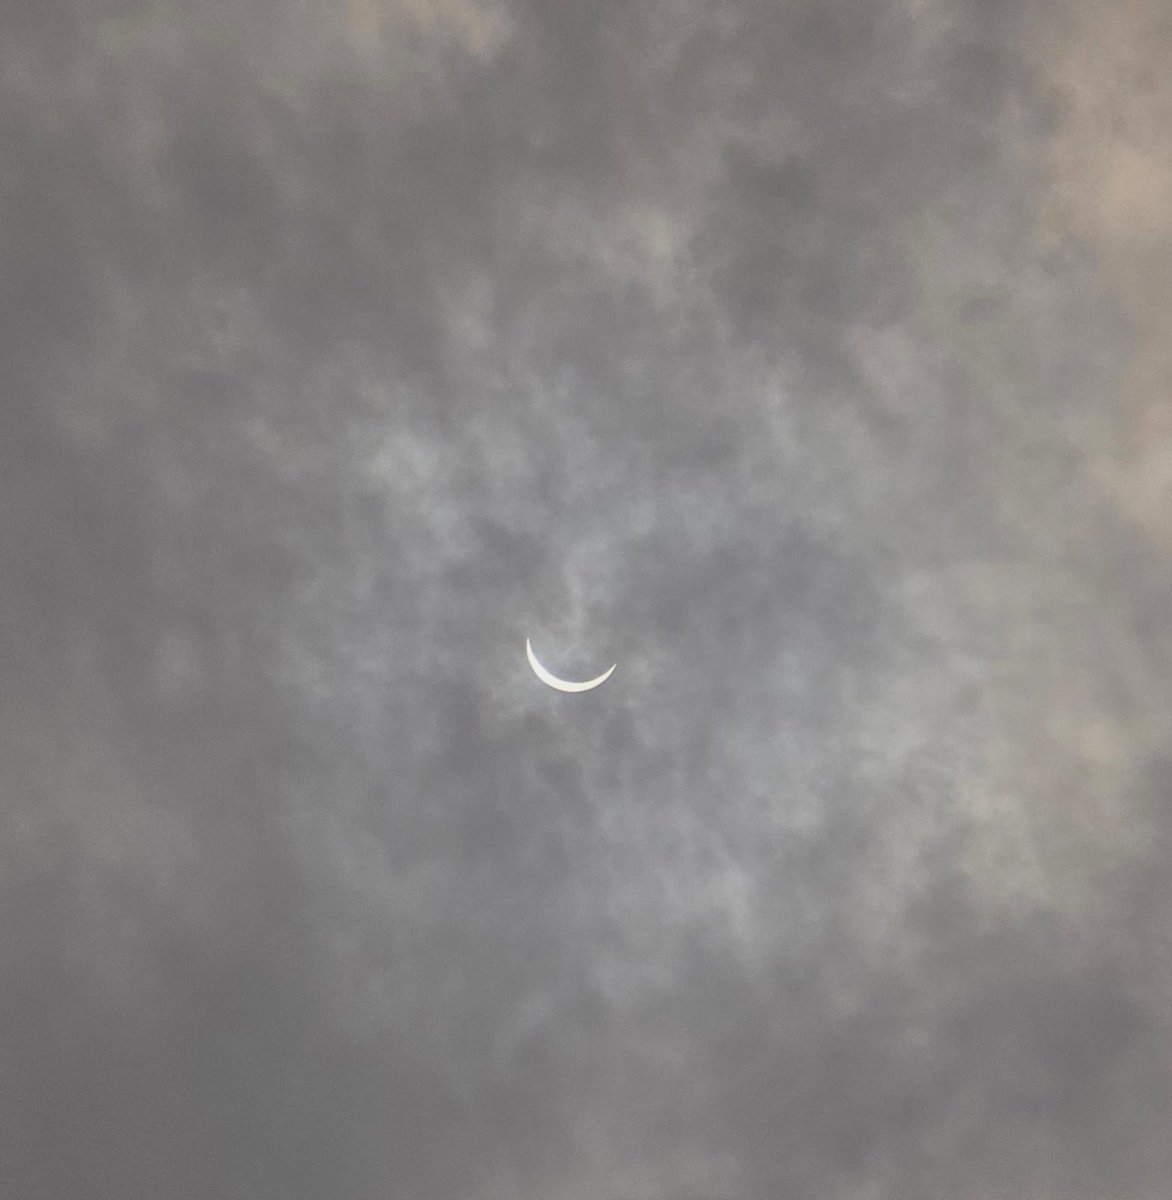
(345, 346)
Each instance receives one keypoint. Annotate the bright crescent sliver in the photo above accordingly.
(563, 685)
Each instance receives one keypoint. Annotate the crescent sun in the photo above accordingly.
(563, 685)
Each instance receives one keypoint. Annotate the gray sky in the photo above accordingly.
(808, 359)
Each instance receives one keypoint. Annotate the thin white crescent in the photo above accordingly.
(563, 685)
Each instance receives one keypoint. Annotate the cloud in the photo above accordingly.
(1112, 193)
(347, 346)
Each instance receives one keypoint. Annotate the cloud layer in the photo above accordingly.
(795, 357)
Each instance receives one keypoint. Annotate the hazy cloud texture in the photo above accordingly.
(809, 360)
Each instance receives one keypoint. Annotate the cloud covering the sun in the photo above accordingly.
(804, 359)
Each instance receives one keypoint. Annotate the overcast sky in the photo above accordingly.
(810, 360)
